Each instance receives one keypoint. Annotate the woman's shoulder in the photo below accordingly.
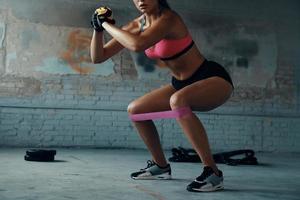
(173, 19)
(178, 28)
(170, 15)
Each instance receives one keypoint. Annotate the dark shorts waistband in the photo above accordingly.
(206, 70)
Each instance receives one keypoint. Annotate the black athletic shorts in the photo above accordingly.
(206, 70)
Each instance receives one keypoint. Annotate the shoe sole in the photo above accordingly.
(212, 189)
(155, 177)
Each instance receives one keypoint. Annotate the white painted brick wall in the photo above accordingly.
(113, 129)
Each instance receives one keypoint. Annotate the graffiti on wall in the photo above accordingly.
(75, 58)
(77, 52)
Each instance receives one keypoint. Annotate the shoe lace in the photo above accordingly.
(150, 163)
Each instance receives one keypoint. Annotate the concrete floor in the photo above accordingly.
(102, 174)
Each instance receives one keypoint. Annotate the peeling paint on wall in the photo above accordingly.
(2, 34)
(29, 35)
(54, 65)
(247, 49)
(156, 73)
(17, 86)
(125, 66)
(147, 64)
(10, 57)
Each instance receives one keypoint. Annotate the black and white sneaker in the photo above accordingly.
(208, 181)
(152, 172)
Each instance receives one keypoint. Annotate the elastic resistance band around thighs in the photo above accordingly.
(177, 113)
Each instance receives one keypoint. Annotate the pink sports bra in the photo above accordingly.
(168, 49)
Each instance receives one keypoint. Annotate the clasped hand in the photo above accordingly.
(101, 15)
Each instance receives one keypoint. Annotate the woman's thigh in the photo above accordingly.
(154, 101)
(206, 94)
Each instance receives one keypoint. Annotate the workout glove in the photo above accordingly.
(102, 14)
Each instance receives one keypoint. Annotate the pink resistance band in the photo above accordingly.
(177, 113)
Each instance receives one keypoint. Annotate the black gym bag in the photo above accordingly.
(41, 155)
(189, 155)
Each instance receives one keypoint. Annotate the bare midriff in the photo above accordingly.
(184, 66)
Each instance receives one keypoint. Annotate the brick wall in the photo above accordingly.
(46, 127)
(64, 118)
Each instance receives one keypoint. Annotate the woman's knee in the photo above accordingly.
(134, 107)
(178, 100)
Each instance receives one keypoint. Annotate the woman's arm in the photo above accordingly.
(96, 48)
(158, 30)
(100, 52)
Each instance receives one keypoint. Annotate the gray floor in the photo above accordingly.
(89, 174)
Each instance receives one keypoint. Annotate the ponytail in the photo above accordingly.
(164, 4)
